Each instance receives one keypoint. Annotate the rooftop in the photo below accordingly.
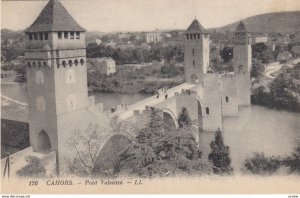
(241, 27)
(54, 17)
(196, 27)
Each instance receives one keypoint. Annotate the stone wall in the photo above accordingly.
(229, 95)
(244, 92)
(212, 109)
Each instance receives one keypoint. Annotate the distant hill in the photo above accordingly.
(280, 22)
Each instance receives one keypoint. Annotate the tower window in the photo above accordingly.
(81, 61)
(71, 102)
(59, 35)
(193, 51)
(70, 63)
(66, 35)
(64, 63)
(187, 36)
(35, 36)
(207, 110)
(41, 36)
(71, 35)
(195, 36)
(198, 35)
(193, 62)
(30, 36)
(70, 76)
(77, 35)
(46, 35)
(76, 62)
(227, 99)
(191, 36)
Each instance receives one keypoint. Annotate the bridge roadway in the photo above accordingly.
(152, 101)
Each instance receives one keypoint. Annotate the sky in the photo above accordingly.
(144, 15)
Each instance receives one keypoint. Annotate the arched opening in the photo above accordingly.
(81, 61)
(194, 79)
(170, 121)
(70, 63)
(227, 99)
(44, 144)
(76, 62)
(108, 158)
(241, 69)
(64, 63)
(200, 117)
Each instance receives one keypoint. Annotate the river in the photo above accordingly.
(256, 129)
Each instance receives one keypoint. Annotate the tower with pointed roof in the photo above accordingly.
(56, 77)
(242, 61)
(196, 53)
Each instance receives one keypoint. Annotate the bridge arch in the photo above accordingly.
(108, 156)
(170, 118)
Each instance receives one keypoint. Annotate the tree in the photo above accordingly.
(257, 69)
(184, 118)
(34, 168)
(293, 161)
(262, 52)
(156, 153)
(227, 53)
(85, 146)
(259, 164)
(220, 155)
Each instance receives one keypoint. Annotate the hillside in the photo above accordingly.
(281, 22)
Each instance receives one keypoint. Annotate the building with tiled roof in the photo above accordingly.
(54, 17)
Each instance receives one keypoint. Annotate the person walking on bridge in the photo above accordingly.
(166, 96)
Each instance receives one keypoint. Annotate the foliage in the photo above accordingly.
(170, 70)
(34, 168)
(220, 155)
(159, 153)
(84, 146)
(262, 52)
(259, 164)
(293, 161)
(184, 118)
(136, 55)
(227, 53)
(103, 83)
(282, 95)
(257, 69)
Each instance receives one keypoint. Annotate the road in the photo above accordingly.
(152, 101)
(273, 67)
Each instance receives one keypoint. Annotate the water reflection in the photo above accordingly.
(258, 129)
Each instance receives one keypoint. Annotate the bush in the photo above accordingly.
(258, 164)
(34, 168)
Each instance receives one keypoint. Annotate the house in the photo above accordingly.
(153, 37)
(106, 65)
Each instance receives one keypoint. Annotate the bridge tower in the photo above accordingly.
(196, 53)
(242, 61)
(57, 78)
